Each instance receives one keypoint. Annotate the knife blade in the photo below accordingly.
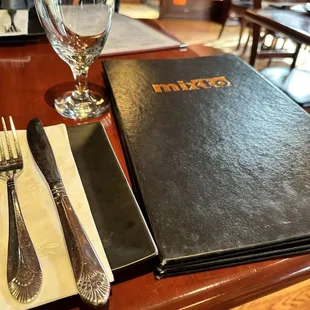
(91, 279)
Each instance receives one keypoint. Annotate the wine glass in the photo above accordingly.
(77, 31)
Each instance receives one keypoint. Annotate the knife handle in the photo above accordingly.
(90, 277)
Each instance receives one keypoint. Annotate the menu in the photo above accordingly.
(129, 35)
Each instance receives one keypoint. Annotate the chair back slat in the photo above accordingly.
(257, 4)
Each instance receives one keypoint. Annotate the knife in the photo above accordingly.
(90, 277)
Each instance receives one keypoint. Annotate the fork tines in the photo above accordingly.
(11, 159)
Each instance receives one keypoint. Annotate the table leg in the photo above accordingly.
(117, 4)
(256, 35)
(295, 55)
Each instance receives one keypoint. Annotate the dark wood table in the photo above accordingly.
(295, 25)
(29, 75)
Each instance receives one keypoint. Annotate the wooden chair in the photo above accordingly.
(238, 8)
(292, 82)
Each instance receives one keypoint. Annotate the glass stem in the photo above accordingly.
(81, 82)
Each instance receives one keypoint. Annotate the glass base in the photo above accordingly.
(78, 107)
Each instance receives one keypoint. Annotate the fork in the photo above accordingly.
(24, 273)
(12, 28)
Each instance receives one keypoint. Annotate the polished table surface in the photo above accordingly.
(30, 76)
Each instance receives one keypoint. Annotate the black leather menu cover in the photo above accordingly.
(119, 221)
(219, 158)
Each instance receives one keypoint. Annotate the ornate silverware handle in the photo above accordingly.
(91, 279)
(24, 273)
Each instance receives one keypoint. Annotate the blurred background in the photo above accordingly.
(201, 22)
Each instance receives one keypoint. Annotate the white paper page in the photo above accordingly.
(20, 21)
(130, 35)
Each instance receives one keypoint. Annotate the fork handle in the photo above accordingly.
(90, 277)
(24, 273)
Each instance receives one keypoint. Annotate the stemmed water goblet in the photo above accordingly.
(77, 31)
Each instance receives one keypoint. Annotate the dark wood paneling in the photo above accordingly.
(193, 9)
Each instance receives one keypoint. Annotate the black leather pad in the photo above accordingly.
(121, 226)
(222, 172)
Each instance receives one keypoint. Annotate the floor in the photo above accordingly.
(206, 32)
(138, 10)
(296, 297)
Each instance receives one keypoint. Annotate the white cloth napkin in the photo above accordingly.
(43, 224)
(20, 20)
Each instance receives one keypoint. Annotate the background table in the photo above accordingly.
(30, 75)
(295, 25)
